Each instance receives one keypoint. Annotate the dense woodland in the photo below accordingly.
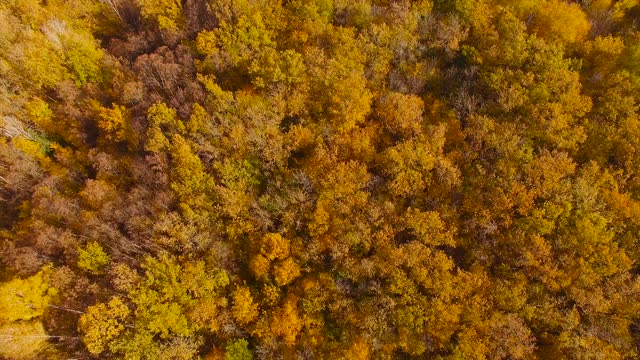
(319, 179)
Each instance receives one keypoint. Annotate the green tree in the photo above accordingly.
(92, 258)
(172, 302)
(83, 58)
(238, 350)
(163, 120)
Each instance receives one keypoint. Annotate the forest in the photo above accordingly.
(320, 179)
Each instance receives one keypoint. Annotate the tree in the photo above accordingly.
(401, 114)
(562, 21)
(114, 123)
(274, 68)
(190, 180)
(172, 302)
(244, 309)
(83, 58)
(162, 119)
(274, 246)
(287, 322)
(167, 13)
(286, 271)
(93, 258)
(23, 340)
(238, 350)
(371, 179)
(26, 299)
(23, 302)
(359, 350)
(102, 323)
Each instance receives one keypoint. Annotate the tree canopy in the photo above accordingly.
(320, 179)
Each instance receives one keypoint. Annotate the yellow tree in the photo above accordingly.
(22, 303)
(286, 321)
(244, 309)
(167, 13)
(102, 323)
